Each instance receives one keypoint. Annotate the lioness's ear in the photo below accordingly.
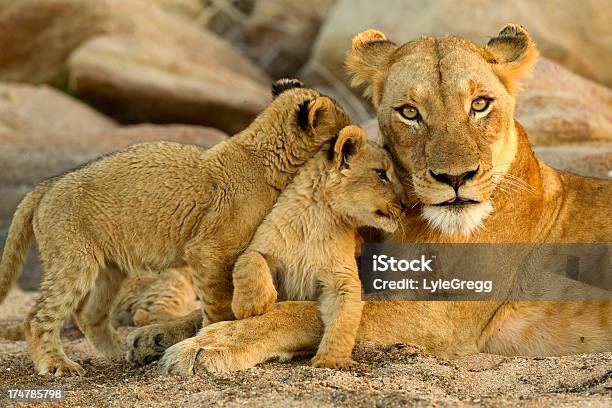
(318, 115)
(514, 54)
(350, 140)
(367, 60)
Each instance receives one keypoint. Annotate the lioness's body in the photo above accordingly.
(515, 198)
(154, 206)
(305, 247)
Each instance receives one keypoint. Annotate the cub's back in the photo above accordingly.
(150, 195)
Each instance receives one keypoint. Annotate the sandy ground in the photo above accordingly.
(383, 376)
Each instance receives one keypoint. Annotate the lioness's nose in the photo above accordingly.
(455, 181)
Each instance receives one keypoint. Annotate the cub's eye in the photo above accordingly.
(409, 112)
(382, 174)
(480, 104)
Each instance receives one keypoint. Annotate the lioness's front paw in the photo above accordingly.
(253, 303)
(147, 344)
(180, 359)
(188, 359)
(214, 350)
(330, 361)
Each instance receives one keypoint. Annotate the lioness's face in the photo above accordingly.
(447, 124)
(446, 117)
(365, 188)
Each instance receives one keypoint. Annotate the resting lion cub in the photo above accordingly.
(154, 297)
(306, 245)
(155, 206)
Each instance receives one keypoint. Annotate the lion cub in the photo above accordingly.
(154, 297)
(306, 245)
(155, 206)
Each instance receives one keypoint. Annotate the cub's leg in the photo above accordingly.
(341, 307)
(147, 344)
(93, 315)
(170, 297)
(254, 292)
(67, 280)
(212, 281)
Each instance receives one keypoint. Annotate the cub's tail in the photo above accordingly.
(19, 237)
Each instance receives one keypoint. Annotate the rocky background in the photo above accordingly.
(80, 78)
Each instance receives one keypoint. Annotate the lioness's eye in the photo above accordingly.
(409, 112)
(382, 174)
(480, 104)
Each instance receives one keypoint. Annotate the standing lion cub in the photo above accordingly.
(306, 245)
(156, 206)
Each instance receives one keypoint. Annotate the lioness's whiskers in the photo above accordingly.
(520, 186)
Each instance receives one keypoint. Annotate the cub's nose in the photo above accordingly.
(455, 181)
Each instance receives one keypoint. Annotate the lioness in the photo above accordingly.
(306, 245)
(446, 113)
(155, 206)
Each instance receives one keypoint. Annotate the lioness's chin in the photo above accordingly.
(457, 220)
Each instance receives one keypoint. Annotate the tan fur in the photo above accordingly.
(306, 245)
(148, 297)
(155, 206)
(531, 203)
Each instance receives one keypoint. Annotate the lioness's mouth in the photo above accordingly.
(457, 201)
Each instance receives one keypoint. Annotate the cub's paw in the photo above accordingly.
(253, 303)
(147, 344)
(59, 367)
(329, 361)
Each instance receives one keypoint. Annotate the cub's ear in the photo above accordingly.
(513, 54)
(350, 141)
(367, 62)
(321, 116)
(284, 84)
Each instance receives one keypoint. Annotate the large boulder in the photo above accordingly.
(593, 160)
(574, 34)
(38, 38)
(46, 112)
(278, 34)
(137, 80)
(556, 106)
